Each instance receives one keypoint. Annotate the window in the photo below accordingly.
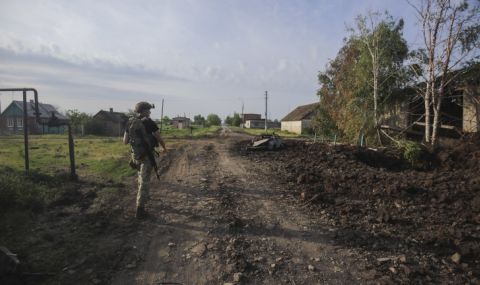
(10, 122)
(19, 122)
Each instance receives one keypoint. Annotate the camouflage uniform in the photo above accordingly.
(140, 160)
(144, 174)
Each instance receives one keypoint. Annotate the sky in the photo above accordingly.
(200, 56)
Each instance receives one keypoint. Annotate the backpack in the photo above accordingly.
(137, 134)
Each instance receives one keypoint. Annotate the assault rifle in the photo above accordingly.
(148, 151)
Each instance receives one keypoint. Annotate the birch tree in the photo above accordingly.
(381, 39)
(356, 85)
(450, 30)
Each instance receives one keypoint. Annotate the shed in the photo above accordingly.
(113, 123)
(181, 122)
(300, 119)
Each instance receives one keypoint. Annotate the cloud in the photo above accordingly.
(190, 52)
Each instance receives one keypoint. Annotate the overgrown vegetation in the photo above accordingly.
(357, 86)
(235, 120)
(27, 192)
(412, 151)
(358, 83)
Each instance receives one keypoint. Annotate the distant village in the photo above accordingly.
(112, 123)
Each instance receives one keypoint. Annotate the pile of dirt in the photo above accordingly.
(464, 154)
(420, 225)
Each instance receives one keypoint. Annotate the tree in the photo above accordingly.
(451, 39)
(356, 85)
(228, 121)
(199, 120)
(166, 121)
(77, 119)
(213, 120)
(383, 51)
(236, 120)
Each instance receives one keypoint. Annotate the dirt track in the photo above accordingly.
(215, 218)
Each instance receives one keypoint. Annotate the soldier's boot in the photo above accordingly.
(140, 213)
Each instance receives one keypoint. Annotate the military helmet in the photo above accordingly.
(140, 107)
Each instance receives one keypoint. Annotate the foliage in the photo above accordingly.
(349, 96)
(233, 121)
(451, 39)
(77, 119)
(323, 123)
(411, 151)
(166, 120)
(213, 120)
(199, 120)
(21, 191)
(91, 126)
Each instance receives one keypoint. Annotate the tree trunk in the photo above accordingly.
(427, 114)
(436, 124)
(437, 115)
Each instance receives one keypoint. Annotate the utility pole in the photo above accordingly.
(161, 118)
(266, 102)
(242, 122)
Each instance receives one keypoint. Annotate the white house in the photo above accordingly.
(300, 119)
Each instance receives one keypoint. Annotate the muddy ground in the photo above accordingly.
(307, 214)
(411, 223)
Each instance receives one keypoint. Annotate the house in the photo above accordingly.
(260, 124)
(248, 117)
(50, 121)
(113, 123)
(299, 120)
(181, 122)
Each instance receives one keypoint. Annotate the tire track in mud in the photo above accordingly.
(269, 241)
(171, 245)
(214, 218)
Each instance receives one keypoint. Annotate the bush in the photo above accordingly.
(412, 151)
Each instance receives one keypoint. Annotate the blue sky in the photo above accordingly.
(202, 56)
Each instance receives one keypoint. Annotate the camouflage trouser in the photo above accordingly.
(143, 182)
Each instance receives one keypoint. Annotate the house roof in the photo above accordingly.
(180, 119)
(301, 112)
(116, 117)
(45, 110)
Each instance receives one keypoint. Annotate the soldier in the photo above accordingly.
(143, 135)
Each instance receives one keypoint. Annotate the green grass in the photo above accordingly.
(100, 156)
(195, 132)
(105, 157)
(257, 132)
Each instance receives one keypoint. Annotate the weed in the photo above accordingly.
(412, 151)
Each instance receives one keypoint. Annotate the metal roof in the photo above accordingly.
(45, 110)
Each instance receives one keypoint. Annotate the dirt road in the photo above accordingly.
(216, 218)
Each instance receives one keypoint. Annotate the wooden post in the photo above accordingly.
(71, 151)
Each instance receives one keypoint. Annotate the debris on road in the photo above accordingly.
(266, 142)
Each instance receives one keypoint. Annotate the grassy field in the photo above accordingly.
(256, 132)
(105, 157)
(99, 156)
(195, 132)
